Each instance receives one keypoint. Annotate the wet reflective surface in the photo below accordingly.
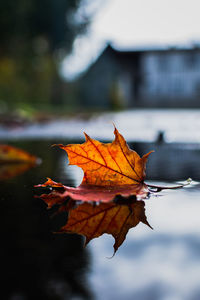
(159, 264)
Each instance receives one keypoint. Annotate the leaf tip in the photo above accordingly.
(116, 133)
(114, 125)
(147, 223)
(115, 130)
(86, 136)
(145, 156)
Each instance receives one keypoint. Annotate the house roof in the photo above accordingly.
(131, 52)
(117, 50)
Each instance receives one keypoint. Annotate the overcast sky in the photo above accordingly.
(135, 23)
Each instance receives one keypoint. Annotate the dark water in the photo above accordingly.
(35, 263)
(159, 264)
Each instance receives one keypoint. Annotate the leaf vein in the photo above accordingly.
(92, 216)
(114, 160)
(128, 161)
(124, 223)
(98, 225)
(117, 212)
(91, 141)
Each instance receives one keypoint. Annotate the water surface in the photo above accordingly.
(163, 263)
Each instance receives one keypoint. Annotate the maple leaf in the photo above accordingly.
(109, 164)
(110, 193)
(110, 171)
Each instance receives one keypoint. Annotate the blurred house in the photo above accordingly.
(143, 78)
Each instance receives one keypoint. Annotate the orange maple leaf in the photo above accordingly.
(110, 170)
(107, 164)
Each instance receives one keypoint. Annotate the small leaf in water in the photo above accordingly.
(10, 154)
(15, 161)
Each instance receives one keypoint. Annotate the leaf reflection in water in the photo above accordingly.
(93, 219)
(112, 218)
(11, 170)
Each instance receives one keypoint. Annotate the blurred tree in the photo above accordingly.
(34, 37)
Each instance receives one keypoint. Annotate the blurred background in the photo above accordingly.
(68, 66)
(98, 55)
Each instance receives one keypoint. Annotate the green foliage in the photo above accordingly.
(24, 22)
(34, 37)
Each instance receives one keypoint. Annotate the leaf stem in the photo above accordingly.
(160, 188)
